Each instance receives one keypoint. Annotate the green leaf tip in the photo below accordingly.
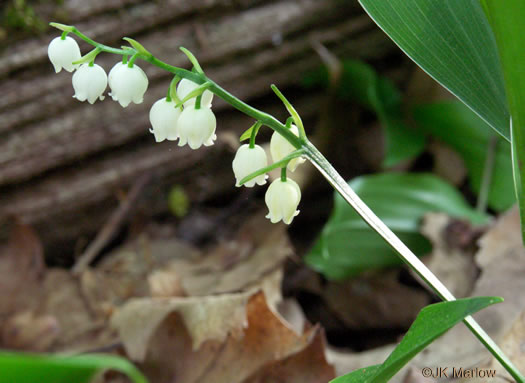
(291, 110)
(137, 46)
(192, 59)
(63, 27)
(467, 64)
(432, 322)
(248, 133)
(88, 57)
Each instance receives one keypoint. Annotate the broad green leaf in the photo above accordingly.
(31, 368)
(360, 83)
(452, 41)
(506, 18)
(432, 322)
(347, 246)
(456, 125)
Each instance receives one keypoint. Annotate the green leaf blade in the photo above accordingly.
(30, 368)
(452, 41)
(347, 246)
(506, 18)
(432, 322)
(457, 126)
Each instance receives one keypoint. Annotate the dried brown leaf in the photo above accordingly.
(205, 318)
(165, 283)
(453, 265)
(307, 366)
(28, 332)
(21, 269)
(259, 339)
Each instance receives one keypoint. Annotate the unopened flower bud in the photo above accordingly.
(127, 84)
(282, 199)
(164, 118)
(280, 148)
(89, 83)
(186, 86)
(248, 160)
(197, 127)
(62, 53)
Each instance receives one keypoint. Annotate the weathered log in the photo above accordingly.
(61, 161)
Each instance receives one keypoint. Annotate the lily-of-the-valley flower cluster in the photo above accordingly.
(184, 114)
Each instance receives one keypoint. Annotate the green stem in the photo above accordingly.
(283, 163)
(132, 60)
(289, 122)
(200, 78)
(103, 48)
(283, 173)
(255, 129)
(172, 90)
(263, 117)
(339, 184)
(64, 35)
(198, 101)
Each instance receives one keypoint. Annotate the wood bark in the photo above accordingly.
(62, 161)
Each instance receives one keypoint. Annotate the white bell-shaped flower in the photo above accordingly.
(127, 84)
(164, 120)
(184, 88)
(112, 72)
(62, 53)
(248, 160)
(197, 127)
(89, 83)
(280, 148)
(282, 199)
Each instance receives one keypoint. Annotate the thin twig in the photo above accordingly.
(112, 225)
